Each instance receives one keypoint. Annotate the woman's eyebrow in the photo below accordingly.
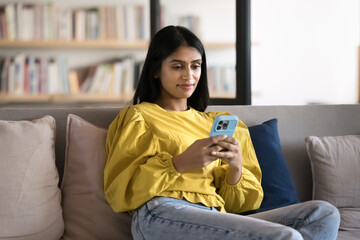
(181, 61)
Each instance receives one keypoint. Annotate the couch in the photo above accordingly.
(77, 143)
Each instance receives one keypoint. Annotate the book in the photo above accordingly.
(116, 86)
(74, 82)
(33, 75)
(85, 77)
(128, 75)
(10, 21)
(130, 22)
(80, 29)
(37, 34)
(19, 74)
(26, 76)
(107, 78)
(63, 84)
(28, 21)
(11, 76)
(4, 75)
(99, 79)
(53, 85)
(3, 27)
(2, 62)
(120, 22)
(43, 74)
(92, 24)
(65, 25)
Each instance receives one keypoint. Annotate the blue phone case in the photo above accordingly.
(224, 125)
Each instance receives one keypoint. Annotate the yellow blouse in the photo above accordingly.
(141, 143)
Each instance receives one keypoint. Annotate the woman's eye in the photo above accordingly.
(197, 66)
(177, 67)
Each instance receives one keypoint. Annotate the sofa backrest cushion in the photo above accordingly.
(335, 164)
(29, 195)
(277, 182)
(87, 214)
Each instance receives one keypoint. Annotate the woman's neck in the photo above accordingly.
(177, 105)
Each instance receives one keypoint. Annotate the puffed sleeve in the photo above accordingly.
(247, 193)
(136, 170)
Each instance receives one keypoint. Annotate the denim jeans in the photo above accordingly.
(169, 218)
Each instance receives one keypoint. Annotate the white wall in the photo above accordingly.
(305, 51)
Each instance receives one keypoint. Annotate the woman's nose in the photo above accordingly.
(187, 74)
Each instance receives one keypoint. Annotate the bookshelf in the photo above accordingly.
(71, 51)
(99, 50)
(108, 44)
(111, 44)
(59, 98)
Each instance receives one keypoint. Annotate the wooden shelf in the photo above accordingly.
(5, 98)
(103, 44)
(63, 98)
(219, 45)
(221, 95)
(143, 45)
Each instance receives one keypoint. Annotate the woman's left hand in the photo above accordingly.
(231, 154)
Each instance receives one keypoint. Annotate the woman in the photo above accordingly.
(176, 181)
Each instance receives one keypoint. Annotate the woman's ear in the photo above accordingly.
(156, 75)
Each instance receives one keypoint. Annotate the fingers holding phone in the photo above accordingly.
(228, 148)
(224, 125)
(232, 153)
(204, 151)
(198, 154)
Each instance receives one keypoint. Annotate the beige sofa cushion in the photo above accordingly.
(87, 214)
(335, 163)
(29, 195)
(350, 218)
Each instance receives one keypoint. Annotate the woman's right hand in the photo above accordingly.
(198, 154)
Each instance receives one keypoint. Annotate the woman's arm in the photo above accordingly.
(135, 170)
(239, 179)
(232, 156)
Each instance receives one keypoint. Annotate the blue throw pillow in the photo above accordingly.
(277, 182)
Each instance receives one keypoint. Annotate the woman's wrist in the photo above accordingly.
(233, 175)
(176, 163)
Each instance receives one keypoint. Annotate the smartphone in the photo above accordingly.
(224, 125)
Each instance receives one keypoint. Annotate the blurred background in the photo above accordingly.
(305, 51)
(91, 52)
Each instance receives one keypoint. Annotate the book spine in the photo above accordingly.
(10, 21)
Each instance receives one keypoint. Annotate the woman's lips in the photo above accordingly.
(186, 86)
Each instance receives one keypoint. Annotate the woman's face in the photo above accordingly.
(180, 73)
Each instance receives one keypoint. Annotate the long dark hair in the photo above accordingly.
(164, 43)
